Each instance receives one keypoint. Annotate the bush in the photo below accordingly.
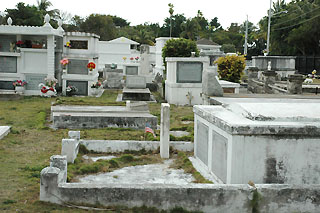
(230, 68)
(179, 48)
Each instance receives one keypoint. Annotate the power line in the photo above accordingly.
(282, 28)
(296, 17)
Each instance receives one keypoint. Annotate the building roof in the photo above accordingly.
(205, 41)
(123, 40)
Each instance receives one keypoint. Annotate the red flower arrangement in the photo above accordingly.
(91, 66)
(19, 43)
(131, 58)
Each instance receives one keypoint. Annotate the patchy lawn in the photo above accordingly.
(27, 149)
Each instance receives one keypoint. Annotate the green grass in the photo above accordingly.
(27, 149)
(182, 162)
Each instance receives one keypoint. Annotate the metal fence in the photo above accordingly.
(306, 64)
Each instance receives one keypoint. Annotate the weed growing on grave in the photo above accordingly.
(82, 167)
(183, 162)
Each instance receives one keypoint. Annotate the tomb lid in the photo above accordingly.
(264, 117)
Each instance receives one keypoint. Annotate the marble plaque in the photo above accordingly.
(202, 142)
(76, 44)
(8, 64)
(78, 67)
(33, 81)
(189, 72)
(219, 156)
(5, 41)
(7, 85)
(131, 70)
(82, 87)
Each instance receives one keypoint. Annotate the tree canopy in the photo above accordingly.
(295, 27)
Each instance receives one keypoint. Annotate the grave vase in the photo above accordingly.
(20, 89)
(64, 71)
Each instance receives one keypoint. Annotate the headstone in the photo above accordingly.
(144, 62)
(189, 72)
(79, 67)
(82, 87)
(132, 70)
(294, 83)
(33, 81)
(210, 84)
(8, 64)
(136, 82)
(6, 85)
(165, 130)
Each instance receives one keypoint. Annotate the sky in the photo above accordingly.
(141, 11)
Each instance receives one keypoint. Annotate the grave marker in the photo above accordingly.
(78, 67)
(8, 64)
(33, 81)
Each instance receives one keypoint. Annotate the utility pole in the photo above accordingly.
(269, 23)
(245, 52)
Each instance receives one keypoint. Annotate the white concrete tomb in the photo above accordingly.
(262, 140)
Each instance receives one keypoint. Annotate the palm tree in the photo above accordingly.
(190, 29)
(43, 6)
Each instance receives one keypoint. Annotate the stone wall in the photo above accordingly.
(193, 197)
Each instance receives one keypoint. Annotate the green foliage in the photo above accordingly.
(179, 48)
(230, 68)
(228, 48)
(294, 28)
(101, 25)
(27, 15)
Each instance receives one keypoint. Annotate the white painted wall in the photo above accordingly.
(114, 52)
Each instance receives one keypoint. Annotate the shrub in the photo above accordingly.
(179, 48)
(230, 68)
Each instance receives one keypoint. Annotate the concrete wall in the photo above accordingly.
(121, 146)
(277, 62)
(193, 197)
